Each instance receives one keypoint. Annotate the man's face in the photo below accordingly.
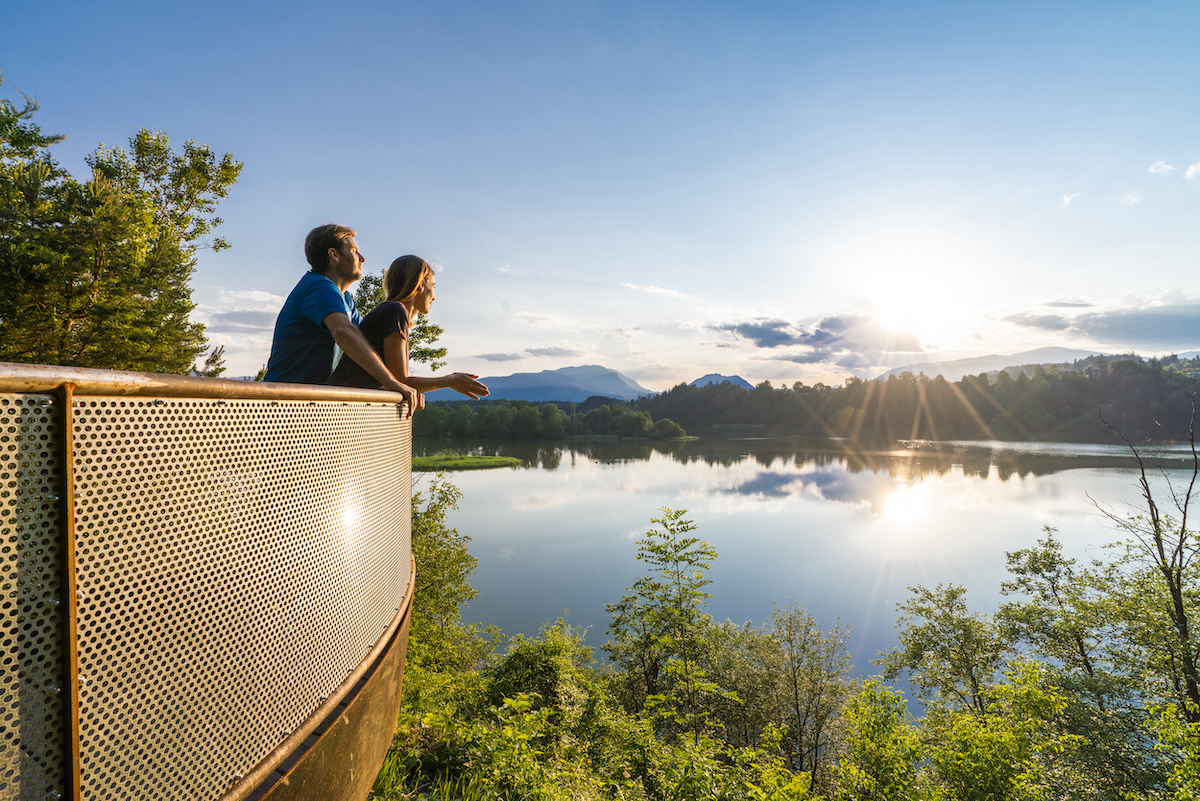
(345, 264)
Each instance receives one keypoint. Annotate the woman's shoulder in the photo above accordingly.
(389, 315)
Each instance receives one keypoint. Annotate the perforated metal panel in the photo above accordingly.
(235, 561)
(32, 717)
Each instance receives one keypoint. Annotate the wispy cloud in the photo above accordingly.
(548, 320)
(1161, 166)
(1192, 171)
(554, 350)
(499, 357)
(1068, 198)
(1130, 200)
(656, 290)
(1067, 304)
(242, 321)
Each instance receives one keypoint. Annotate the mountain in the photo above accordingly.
(571, 384)
(955, 369)
(716, 378)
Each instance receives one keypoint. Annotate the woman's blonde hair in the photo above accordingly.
(404, 276)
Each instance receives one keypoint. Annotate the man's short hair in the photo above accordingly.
(320, 240)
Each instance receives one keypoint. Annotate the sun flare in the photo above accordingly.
(906, 505)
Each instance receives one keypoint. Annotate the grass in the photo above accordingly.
(432, 463)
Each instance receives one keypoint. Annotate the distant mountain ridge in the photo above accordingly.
(955, 369)
(717, 378)
(568, 384)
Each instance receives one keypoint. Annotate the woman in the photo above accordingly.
(409, 284)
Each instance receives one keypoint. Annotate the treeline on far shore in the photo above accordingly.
(1141, 400)
(517, 419)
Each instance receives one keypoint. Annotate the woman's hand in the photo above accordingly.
(467, 384)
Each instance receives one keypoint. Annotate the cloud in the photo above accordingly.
(1130, 200)
(867, 490)
(1067, 304)
(499, 357)
(852, 340)
(554, 351)
(1068, 198)
(242, 321)
(656, 290)
(1042, 322)
(1161, 166)
(1169, 321)
(1192, 171)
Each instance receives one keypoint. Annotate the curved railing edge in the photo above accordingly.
(251, 781)
(15, 377)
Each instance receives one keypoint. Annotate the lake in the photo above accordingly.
(841, 533)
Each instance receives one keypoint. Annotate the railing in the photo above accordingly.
(197, 578)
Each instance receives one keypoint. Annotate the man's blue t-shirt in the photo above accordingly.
(302, 351)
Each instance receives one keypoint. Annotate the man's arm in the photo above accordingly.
(356, 347)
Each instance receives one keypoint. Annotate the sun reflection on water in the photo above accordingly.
(906, 505)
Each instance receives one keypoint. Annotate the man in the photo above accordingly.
(320, 313)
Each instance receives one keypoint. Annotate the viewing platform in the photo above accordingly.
(207, 586)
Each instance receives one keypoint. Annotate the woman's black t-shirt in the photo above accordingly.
(389, 317)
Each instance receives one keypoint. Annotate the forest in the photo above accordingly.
(1147, 401)
(1083, 684)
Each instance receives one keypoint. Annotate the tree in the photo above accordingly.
(444, 567)
(815, 684)
(422, 336)
(1004, 755)
(96, 274)
(1071, 619)
(950, 654)
(663, 618)
(882, 749)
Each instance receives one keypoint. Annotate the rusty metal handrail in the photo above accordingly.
(86, 381)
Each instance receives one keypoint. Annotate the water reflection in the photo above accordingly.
(913, 461)
(844, 533)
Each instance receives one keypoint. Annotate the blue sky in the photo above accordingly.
(786, 191)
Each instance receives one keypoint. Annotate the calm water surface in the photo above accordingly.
(841, 534)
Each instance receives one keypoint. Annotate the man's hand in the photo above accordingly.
(355, 346)
(415, 399)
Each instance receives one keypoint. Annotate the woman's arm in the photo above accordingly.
(395, 356)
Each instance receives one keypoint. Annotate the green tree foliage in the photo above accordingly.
(517, 419)
(663, 618)
(437, 637)
(1069, 618)
(949, 654)
(1145, 400)
(421, 338)
(96, 273)
(815, 685)
(882, 749)
(1004, 755)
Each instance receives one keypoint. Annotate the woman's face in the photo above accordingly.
(424, 297)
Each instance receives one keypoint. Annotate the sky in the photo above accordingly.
(785, 191)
